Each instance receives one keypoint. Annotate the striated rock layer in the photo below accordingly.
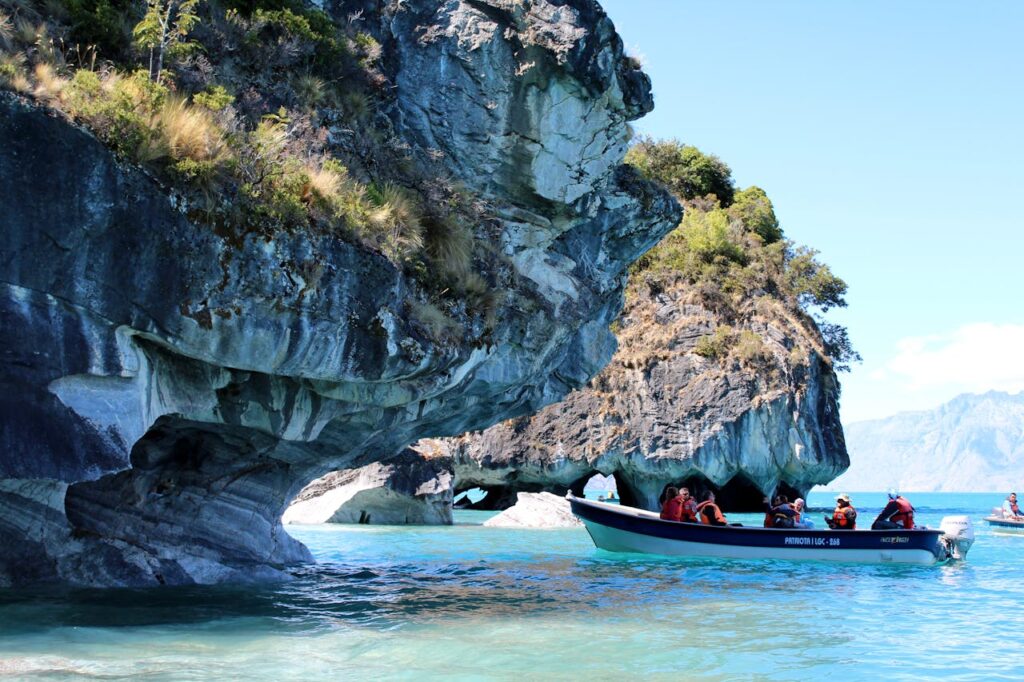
(765, 417)
(408, 489)
(169, 388)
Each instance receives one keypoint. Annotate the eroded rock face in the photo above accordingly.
(407, 489)
(764, 418)
(536, 510)
(175, 387)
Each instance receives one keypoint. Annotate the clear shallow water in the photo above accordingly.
(468, 602)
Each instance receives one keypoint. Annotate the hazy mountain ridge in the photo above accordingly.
(972, 443)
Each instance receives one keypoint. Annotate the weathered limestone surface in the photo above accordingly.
(407, 489)
(169, 388)
(661, 413)
(536, 510)
(743, 425)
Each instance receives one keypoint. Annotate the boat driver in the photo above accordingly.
(898, 513)
(845, 516)
(1010, 508)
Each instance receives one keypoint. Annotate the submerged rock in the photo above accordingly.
(171, 387)
(536, 510)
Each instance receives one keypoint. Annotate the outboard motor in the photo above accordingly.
(957, 536)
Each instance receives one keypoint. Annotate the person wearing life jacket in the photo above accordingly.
(672, 508)
(779, 513)
(844, 517)
(898, 513)
(689, 511)
(1011, 510)
(800, 521)
(709, 513)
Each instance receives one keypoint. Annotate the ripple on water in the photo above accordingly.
(471, 602)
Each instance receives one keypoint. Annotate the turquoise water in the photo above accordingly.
(468, 602)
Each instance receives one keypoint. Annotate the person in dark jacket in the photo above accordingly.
(779, 513)
(898, 513)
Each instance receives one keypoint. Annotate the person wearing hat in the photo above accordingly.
(845, 516)
(898, 513)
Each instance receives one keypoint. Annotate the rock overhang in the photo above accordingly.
(166, 367)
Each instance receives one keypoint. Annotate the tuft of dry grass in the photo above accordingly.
(395, 221)
(190, 132)
(324, 182)
(49, 85)
(6, 30)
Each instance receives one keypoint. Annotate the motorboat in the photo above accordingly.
(1001, 524)
(618, 528)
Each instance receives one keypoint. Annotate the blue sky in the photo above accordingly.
(890, 137)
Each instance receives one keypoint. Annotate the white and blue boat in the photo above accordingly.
(618, 528)
(1003, 525)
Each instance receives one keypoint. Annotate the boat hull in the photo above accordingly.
(1005, 526)
(624, 529)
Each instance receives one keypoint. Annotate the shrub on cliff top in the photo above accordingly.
(683, 169)
(733, 252)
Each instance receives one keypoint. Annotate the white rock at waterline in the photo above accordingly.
(536, 510)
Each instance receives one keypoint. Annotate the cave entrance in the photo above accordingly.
(467, 498)
(740, 495)
(596, 485)
(601, 487)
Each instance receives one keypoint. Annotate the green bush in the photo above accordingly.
(754, 209)
(684, 170)
(716, 346)
(707, 236)
(214, 98)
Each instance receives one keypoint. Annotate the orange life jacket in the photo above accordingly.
(905, 515)
(689, 512)
(716, 513)
(842, 520)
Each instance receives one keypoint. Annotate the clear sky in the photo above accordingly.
(890, 137)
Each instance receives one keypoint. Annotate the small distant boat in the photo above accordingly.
(618, 528)
(1001, 524)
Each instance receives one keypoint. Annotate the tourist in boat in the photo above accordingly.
(1011, 510)
(800, 521)
(672, 507)
(844, 517)
(898, 513)
(709, 513)
(779, 513)
(689, 512)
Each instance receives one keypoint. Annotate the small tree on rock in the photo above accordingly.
(164, 28)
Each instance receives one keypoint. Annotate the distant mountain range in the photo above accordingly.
(972, 443)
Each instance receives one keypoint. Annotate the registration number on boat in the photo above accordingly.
(814, 542)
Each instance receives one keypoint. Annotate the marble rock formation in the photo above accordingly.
(536, 510)
(170, 388)
(763, 418)
(408, 489)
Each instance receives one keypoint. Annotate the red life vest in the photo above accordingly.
(905, 515)
(672, 509)
(689, 512)
(842, 520)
